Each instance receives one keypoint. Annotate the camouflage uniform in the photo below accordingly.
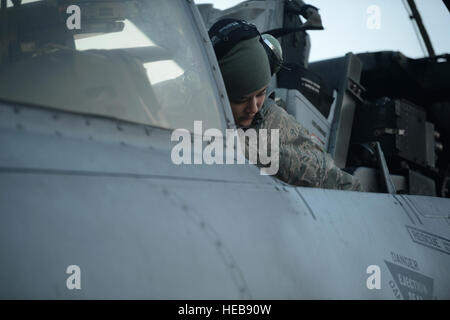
(302, 162)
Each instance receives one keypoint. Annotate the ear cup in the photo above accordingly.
(274, 52)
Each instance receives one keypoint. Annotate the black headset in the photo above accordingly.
(226, 33)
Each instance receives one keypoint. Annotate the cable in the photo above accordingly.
(416, 28)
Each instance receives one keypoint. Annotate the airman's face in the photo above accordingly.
(245, 108)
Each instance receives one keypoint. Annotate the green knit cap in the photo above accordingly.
(245, 68)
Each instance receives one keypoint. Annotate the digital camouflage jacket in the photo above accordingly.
(301, 161)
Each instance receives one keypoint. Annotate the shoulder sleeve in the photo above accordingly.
(302, 161)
